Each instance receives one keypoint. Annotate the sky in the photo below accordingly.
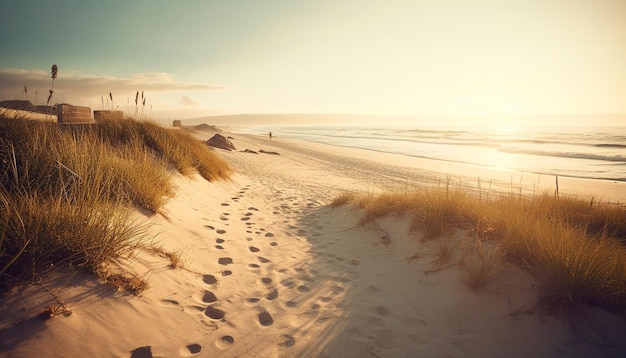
(192, 58)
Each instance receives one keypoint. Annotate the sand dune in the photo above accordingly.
(270, 270)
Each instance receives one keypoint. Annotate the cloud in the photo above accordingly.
(188, 101)
(83, 88)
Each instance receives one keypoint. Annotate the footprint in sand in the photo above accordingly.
(303, 289)
(253, 209)
(214, 313)
(209, 227)
(221, 231)
(264, 260)
(286, 340)
(266, 280)
(141, 352)
(226, 273)
(209, 297)
(269, 234)
(219, 247)
(194, 348)
(225, 261)
(273, 243)
(306, 278)
(225, 204)
(209, 279)
(291, 304)
(337, 289)
(245, 218)
(219, 241)
(254, 249)
(288, 283)
(265, 319)
(272, 295)
(224, 342)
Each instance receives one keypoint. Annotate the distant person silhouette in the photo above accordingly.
(270, 135)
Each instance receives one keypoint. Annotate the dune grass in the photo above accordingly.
(575, 248)
(67, 192)
(178, 147)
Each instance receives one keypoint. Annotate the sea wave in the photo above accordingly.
(583, 153)
(611, 145)
(608, 158)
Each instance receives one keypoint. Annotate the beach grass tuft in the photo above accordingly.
(575, 248)
(68, 193)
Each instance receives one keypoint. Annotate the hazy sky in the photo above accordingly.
(399, 57)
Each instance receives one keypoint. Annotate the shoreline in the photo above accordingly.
(411, 171)
(473, 143)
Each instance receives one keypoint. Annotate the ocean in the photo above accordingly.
(582, 152)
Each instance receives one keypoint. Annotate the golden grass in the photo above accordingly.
(178, 147)
(576, 249)
(67, 191)
(175, 258)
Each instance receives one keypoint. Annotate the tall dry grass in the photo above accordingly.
(67, 192)
(179, 147)
(575, 248)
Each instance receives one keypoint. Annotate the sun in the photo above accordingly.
(506, 127)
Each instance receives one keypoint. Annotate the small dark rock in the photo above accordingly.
(268, 152)
(219, 141)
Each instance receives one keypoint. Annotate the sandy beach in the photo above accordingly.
(271, 270)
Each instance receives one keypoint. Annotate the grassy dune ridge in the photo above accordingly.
(67, 192)
(575, 248)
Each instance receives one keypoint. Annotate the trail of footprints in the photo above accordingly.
(293, 282)
(266, 284)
